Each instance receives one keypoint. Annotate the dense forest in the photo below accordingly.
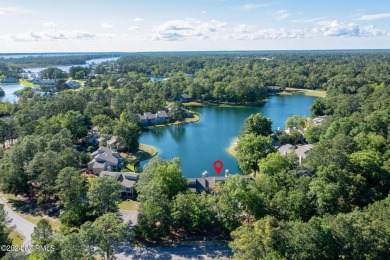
(338, 207)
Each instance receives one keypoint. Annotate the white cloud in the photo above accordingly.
(106, 25)
(331, 29)
(138, 20)
(134, 28)
(249, 7)
(177, 30)
(336, 28)
(49, 24)
(53, 35)
(250, 32)
(281, 14)
(369, 17)
(12, 10)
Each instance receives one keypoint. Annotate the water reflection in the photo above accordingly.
(177, 132)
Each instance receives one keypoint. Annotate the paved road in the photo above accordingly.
(175, 253)
(22, 225)
(197, 250)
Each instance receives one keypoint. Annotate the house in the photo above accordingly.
(105, 159)
(127, 180)
(9, 80)
(317, 120)
(148, 118)
(43, 81)
(73, 84)
(143, 119)
(206, 184)
(113, 143)
(300, 150)
(274, 89)
(184, 98)
(162, 117)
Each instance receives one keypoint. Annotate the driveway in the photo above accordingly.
(127, 215)
(21, 225)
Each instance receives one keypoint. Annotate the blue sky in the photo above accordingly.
(188, 25)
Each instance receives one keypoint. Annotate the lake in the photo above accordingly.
(200, 144)
(9, 90)
(67, 67)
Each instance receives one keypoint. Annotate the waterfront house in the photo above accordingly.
(127, 180)
(9, 80)
(148, 118)
(274, 89)
(143, 119)
(184, 98)
(105, 159)
(42, 81)
(206, 184)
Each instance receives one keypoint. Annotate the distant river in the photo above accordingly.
(200, 144)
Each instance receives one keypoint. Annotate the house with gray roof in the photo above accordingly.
(105, 159)
(300, 150)
(127, 180)
(206, 184)
(9, 80)
(184, 98)
(73, 84)
(148, 118)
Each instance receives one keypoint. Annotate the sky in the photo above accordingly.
(192, 25)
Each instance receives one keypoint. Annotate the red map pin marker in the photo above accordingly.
(218, 166)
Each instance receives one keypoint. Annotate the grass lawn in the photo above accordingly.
(21, 208)
(17, 238)
(145, 152)
(129, 205)
(232, 149)
(306, 92)
(26, 83)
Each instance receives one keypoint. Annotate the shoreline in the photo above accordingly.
(145, 152)
(301, 91)
(232, 148)
(223, 104)
(188, 120)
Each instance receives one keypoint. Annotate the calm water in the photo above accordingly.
(66, 68)
(200, 144)
(9, 90)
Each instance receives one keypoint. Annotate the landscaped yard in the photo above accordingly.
(145, 152)
(17, 238)
(26, 83)
(129, 205)
(307, 92)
